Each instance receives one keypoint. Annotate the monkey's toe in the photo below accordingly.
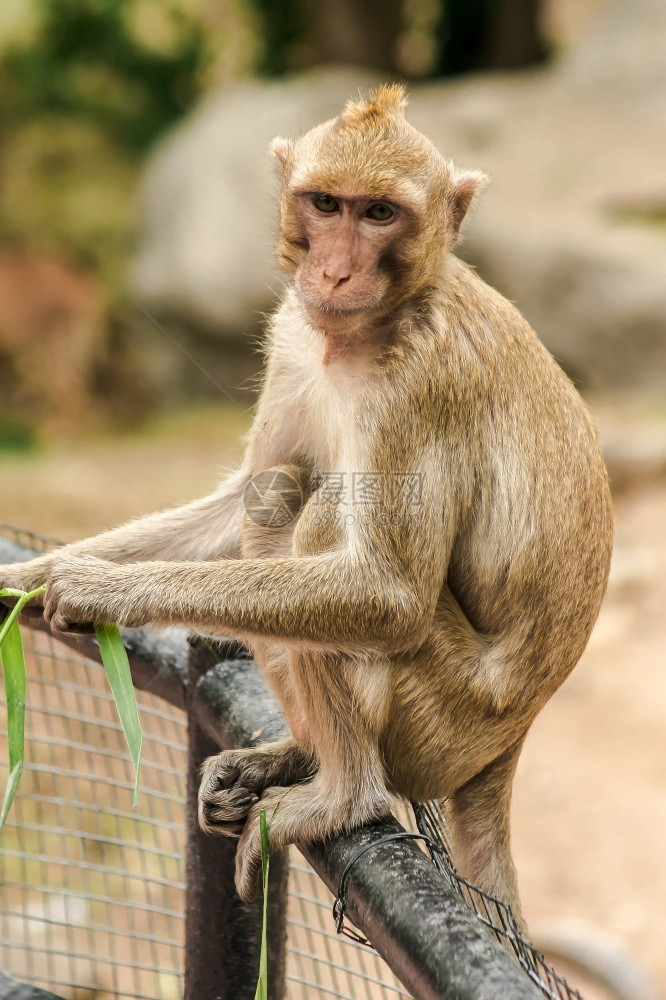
(225, 810)
(231, 769)
(248, 869)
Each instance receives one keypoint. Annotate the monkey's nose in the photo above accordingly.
(334, 277)
(337, 269)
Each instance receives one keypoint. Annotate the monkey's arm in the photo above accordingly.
(328, 599)
(205, 529)
(379, 589)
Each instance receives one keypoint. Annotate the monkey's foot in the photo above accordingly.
(233, 781)
(301, 813)
(230, 786)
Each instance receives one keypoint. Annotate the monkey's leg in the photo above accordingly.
(232, 781)
(341, 796)
(478, 814)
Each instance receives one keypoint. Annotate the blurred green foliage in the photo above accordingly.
(68, 187)
(87, 61)
(412, 38)
(85, 89)
(16, 435)
(283, 26)
(83, 94)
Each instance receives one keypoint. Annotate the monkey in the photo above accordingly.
(416, 544)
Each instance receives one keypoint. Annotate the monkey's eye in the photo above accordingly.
(380, 212)
(326, 203)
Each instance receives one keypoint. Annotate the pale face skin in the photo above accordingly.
(342, 280)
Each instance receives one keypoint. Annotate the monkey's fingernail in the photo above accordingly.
(249, 800)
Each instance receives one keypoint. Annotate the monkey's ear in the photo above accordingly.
(464, 185)
(280, 148)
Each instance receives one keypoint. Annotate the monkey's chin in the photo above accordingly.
(338, 321)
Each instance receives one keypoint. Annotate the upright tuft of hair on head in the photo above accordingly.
(387, 101)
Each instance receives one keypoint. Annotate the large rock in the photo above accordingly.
(209, 208)
(623, 59)
(597, 300)
(567, 228)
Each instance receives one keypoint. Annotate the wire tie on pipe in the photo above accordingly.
(340, 902)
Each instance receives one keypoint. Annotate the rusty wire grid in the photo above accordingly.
(93, 891)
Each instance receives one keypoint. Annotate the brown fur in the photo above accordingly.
(411, 643)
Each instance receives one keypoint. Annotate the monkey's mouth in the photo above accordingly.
(335, 319)
(340, 312)
(336, 312)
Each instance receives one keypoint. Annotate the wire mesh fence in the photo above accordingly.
(93, 891)
(92, 897)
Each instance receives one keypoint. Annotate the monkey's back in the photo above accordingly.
(531, 556)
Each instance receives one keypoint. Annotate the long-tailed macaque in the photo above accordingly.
(417, 543)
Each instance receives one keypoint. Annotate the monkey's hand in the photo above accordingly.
(233, 780)
(26, 576)
(84, 590)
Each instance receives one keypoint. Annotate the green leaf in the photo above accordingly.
(118, 672)
(262, 984)
(13, 666)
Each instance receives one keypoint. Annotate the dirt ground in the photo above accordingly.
(589, 815)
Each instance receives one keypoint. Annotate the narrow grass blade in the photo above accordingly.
(262, 984)
(118, 672)
(13, 666)
(22, 599)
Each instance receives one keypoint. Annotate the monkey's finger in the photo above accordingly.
(237, 799)
(219, 772)
(226, 806)
(81, 628)
(61, 614)
(60, 622)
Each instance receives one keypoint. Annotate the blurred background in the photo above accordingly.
(137, 215)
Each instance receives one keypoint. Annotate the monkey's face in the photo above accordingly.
(369, 211)
(350, 246)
